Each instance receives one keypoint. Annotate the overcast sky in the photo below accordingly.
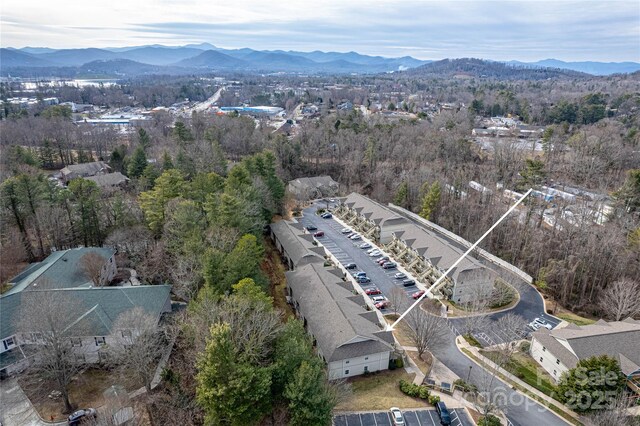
(606, 30)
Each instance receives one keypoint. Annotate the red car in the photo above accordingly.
(372, 291)
(319, 234)
(417, 294)
(382, 305)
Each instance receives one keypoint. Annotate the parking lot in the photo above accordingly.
(349, 251)
(459, 417)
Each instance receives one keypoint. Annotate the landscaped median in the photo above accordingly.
(517, 384)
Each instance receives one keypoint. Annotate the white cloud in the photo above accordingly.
(527, 30)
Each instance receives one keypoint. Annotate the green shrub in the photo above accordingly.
(320, 211)
(525, 346)
(434, 399)
(489, 420)
(415, 391)
(424, 393)
(399, 363)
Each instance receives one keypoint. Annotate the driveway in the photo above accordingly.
(15, 407)
(459, 417)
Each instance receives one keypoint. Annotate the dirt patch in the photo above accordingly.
(85, 391)
(273, 267)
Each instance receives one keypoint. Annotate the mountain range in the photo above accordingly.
(203, 57)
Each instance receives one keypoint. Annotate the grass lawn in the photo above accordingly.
(575, 319)
(85, 391)
(472, 340)
(526, 369)
(379, 391)
(402, 335)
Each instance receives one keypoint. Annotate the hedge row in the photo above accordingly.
(418, 391)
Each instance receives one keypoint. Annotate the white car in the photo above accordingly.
(378, 298)
(375, 253)
(400, 276)
(355, 237)
(537, 323)
(372, 249)
(365, 245)
(346, 231)
(396, 416)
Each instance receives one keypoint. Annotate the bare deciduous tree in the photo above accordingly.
(141, 343)
(621, 299)
(616, 414)
(45, 321)
(92, 264)
(398, 300)
(426, 330)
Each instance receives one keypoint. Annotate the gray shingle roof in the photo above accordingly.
(85, 169)
(109, 180)
(334, 316)
(370, 209)
(61, 269)
(101, 305)
(618, 339)
(298, 245)
(314, 187)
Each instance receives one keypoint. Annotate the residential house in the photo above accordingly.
(84, 170)
(348, 337)
(421, 251)
(311, 188)
(559, 350)
(91, 330)
(295, 246)
(109, 181)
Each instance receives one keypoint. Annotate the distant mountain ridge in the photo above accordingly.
(202, 57)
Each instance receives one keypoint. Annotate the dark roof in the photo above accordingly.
(298, 245)
(109, 180)
(61, 269)
(85, 169)
(101, 305)
(343, 328)
(618, 339)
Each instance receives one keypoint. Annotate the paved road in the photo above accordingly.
(520, 410)
(428, 417)
(15, 407)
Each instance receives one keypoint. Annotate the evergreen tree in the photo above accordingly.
(430, 200)
(243, 262)
(169, 185)
(144, 139)
(85, 195)
(230, 390)
(402, 195)
(310, 398)
(167, 163)
(138, 163)
(46, 155)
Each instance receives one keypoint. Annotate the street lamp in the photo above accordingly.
(469, 374)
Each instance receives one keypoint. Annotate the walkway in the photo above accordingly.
(15, 407)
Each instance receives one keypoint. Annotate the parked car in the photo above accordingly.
(382, 260)
(355, 237)
(365, 245)
(312, 228)
(363, 280)
(408, 282)
(382, 305)
(372, 249)
(359, 274)
(350, 266)
(80, 416)
(539, 322)
(378, 299)
(346, 231)
(375, 253)
(443, 413)
(418, 294)
(396, 416)
(319, 234)
(372, 291)
(400, 276)
(389, 265)
(326, 215)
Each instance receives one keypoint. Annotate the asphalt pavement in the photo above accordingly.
(520, 410)
(426, 417)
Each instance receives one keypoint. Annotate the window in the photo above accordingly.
(366, 358)
(346, 362)
(76, 341)
(540, 359)
(126, 333)
(544, 349)
(346, 371)
(99, 341)
(366, 369)
(36, 337)
(79, 358)
(555, 372)
(103, 356)
(558, 361)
